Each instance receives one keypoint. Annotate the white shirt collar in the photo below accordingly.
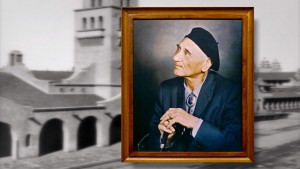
(196, 91)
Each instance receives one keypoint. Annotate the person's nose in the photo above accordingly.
(177, 56)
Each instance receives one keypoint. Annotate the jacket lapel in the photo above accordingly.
(205, 95)
(180, 95)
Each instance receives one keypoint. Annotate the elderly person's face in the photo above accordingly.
(190, 60)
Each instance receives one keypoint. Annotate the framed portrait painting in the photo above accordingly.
(187, 84)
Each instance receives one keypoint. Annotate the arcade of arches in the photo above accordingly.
(51, 136)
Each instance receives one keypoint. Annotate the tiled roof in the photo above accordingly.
(51, 75)
(274, 75)
(22, 93)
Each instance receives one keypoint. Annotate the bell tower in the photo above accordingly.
(97, 60)
(97, 34)
(97, 45)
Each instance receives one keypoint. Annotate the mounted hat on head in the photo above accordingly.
(207, 43)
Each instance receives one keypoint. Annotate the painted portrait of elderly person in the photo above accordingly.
(199, 107)
(198, 110)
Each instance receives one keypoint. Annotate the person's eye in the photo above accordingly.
(186, 52)
(178, 49)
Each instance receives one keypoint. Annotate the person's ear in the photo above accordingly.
(207, 65)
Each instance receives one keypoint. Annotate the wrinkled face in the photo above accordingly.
(190, 60)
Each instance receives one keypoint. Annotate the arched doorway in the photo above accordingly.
(5, 140)
(51, 137)
(115, 130)
(87, 133)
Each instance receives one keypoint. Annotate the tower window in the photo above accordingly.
(99, 3)
(92, 23)
(93, 3)
(100, 22)
(83, 23)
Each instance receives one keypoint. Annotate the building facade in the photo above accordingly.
(276, 92)
(43, 111)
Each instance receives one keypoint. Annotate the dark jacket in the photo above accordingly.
(218, 105)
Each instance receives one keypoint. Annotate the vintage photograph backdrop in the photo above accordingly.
(277, 36)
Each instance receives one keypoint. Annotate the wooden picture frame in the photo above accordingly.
(130, 16)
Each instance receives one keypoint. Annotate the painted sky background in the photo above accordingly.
(43, 30)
